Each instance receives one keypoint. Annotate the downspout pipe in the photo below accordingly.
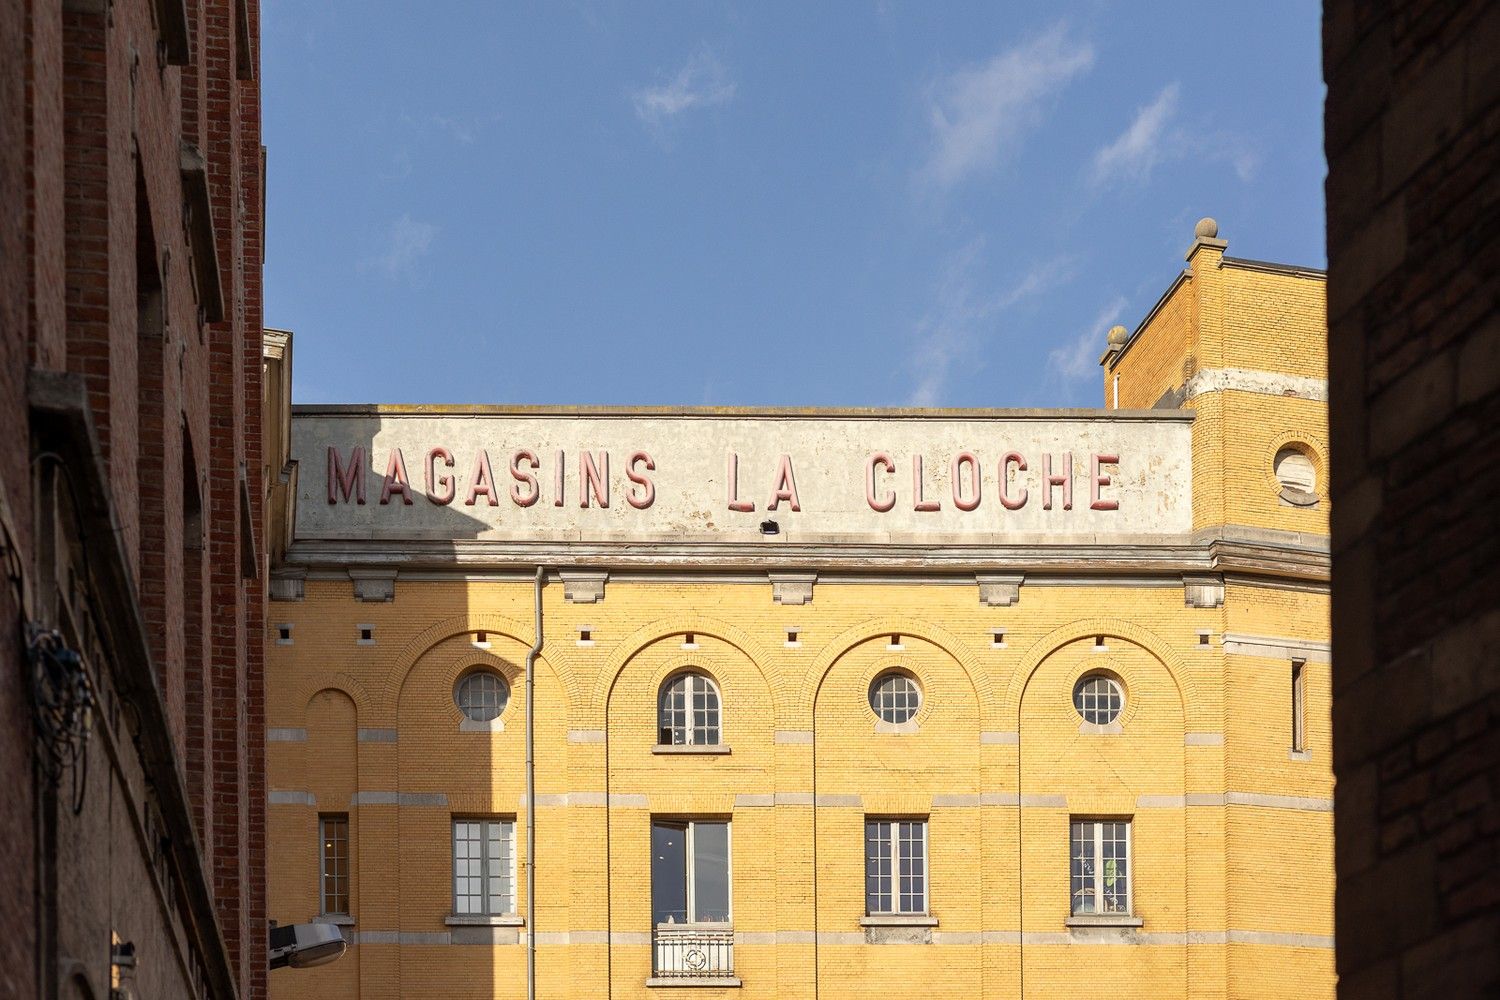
(531, 655)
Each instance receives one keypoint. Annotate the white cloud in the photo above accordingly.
(1154, 137)
(962, 318)
(979, 114)
(409, 241)
(1144, 144)
(702, 83)
(1080, 359)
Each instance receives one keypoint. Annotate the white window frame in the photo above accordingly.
(323, 874)
(688, 735)
(486, 864)
(891, 822)
(690, 848)
(1096, 826)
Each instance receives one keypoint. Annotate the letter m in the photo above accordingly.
(346, 479)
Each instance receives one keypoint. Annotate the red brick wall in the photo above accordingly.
(91, 126)
(1413, 140)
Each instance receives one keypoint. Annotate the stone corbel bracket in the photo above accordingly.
(583, 586)
(792, 588)
(1203, 590)
(374, 585)
(287, 584)
(1000, 590)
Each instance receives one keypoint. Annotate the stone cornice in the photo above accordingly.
(1242, 551)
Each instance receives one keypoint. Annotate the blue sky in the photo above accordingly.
(785, 204)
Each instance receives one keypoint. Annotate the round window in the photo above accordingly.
(895, 698)
(1098, 699)
(481, 696)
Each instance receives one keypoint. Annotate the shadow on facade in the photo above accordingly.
(405, 701)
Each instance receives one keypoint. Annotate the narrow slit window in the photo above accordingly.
(333, 863)
(1299, 706)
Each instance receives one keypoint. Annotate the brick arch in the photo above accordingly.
(871, 628)
(402, 662)
(1050, 643)
(629, 648)
(345, 683)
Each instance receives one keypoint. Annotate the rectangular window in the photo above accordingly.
(689, 871)
(333, 862)
(1299, 706)
(895, 866)
(484, 866)
(1101, 866)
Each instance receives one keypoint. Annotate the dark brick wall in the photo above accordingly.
(93, 118)
(17, 818)
(1412, 132)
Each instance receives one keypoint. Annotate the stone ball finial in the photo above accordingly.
(1206, 229)
(1117, 336)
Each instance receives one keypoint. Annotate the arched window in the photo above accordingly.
(688, 711)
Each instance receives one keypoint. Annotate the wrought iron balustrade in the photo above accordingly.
(688, 951)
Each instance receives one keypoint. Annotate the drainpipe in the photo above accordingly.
(531, 655)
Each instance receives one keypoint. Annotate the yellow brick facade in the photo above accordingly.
(1231, 831)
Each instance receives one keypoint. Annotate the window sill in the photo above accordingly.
(1103, 920)
(484, 920)
(690, 749)
(698, 925)
(898, 920)
(710, 981)
(337, 919)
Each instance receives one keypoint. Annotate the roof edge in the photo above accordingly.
(727, 412)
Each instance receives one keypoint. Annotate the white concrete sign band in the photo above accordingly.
(389, 473)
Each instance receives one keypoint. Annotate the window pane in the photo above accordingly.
(468, 862)
(499, 850)
(913, 850)
(334, 854)
(1114, 841)
(669, 873)
(1098, 699)
(1083, 868)
(705, 712)
(895, 698)
(878, 874)
(672, 712)
(711, 871)
(482, 696)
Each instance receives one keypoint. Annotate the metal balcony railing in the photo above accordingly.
(687, 951)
